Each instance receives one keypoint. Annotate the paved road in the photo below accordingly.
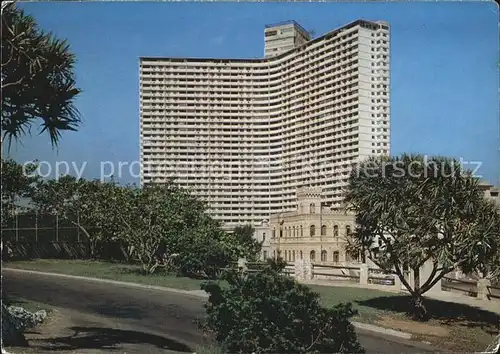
(155, 312)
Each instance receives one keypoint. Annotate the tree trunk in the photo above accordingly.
(10, 335)
(418, 311)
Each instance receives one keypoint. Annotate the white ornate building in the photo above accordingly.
(311, 232)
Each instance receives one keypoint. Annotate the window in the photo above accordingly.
(281, 232)
(263, 236)
(323, 256)
(294, 231)
(265, 255)
(336, 231)
(300, 254)
(301, 232)
(348, 230)
(323, 230)
(293, 255)
(274, 233)
(312, 230)
(311, 208)
(336, 256)
(312, 256)
(274, 254)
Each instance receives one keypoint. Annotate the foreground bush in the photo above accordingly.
(268, 312)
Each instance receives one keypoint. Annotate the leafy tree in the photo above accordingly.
(151, 217)
(206, 249)
(250, 246)
(17, 184)
(91, 206)
(481, 252)
(267, 312)
(38, 80)
(411, 210)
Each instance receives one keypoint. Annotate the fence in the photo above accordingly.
(469, 287)
(34, 227)
(363, 275)
(335, 272)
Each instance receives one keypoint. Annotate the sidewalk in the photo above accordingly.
(448, 296)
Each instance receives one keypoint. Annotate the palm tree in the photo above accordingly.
(38, 84)
(38, 81)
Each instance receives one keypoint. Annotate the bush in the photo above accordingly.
(267, 312)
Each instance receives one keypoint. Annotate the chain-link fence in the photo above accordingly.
(34, 227)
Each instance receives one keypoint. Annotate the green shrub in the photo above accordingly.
(267, 312)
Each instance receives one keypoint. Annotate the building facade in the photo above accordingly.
(263, 235)
(311, 231)
(245, 134)
(491, 192)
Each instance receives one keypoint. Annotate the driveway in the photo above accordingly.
(166, 320)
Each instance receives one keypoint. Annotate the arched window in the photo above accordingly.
(294, 231)
(300, 254)
(336, 231)
(312, 256)
(323, 230)
(301, 231)
(311, 208)
(323, 256)
(336, 256)
(293, 255)
(274, 233)
(348, 230)
(274, 254)
(312, 230)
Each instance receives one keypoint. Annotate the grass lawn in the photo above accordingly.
(453, 326)
(104, 270)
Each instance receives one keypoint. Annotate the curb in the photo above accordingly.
(381, 330)
(200, 294)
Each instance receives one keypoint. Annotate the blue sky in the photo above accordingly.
(444, 69)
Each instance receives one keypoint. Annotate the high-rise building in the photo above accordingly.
(246, 134)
